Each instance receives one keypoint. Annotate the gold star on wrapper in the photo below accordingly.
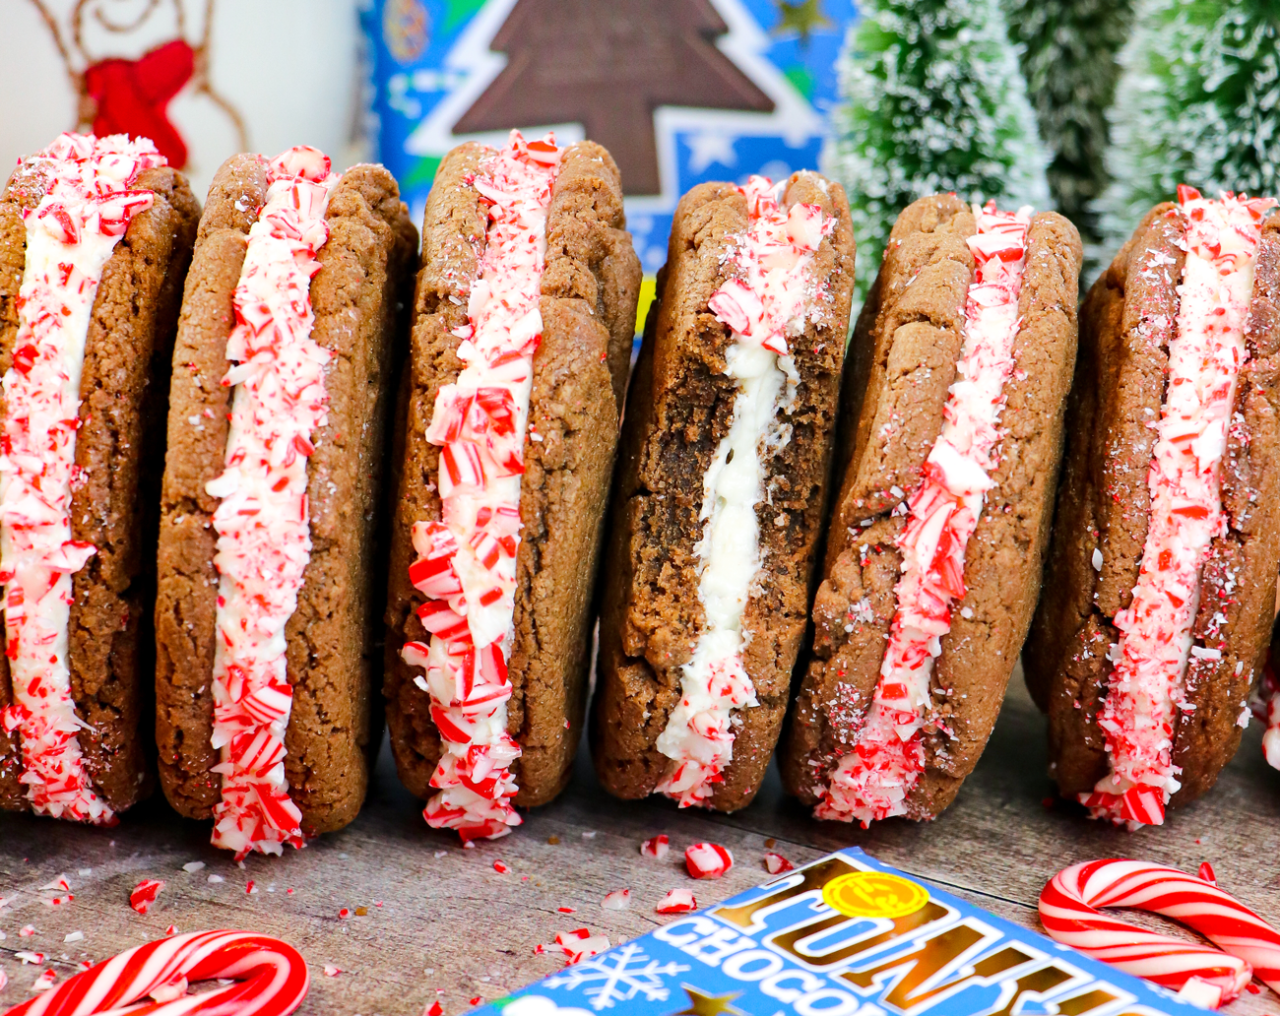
(709, 1005)
(803, 18)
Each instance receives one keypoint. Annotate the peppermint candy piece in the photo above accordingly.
(144, 894)
(657, 848)
(678, 901)
(619, 899)
(707, 860)
(776, 864)
(581, 944)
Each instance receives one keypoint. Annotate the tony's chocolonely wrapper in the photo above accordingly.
(679, 93)
(844, 935)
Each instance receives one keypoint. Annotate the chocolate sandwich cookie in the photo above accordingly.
(1160, 585)
(95, 237)
(951, 435)
(1267, 705)
(523, 321)
(719, 501)
(270, 551)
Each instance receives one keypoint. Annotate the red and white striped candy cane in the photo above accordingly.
(1069, 911)
(271, 979)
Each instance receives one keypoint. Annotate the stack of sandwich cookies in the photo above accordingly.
(280, 397)
(955, 390)
(95, 236)
(522, 324)
(1161, 582)
(720, 496)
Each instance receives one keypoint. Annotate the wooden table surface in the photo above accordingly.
(441, 923)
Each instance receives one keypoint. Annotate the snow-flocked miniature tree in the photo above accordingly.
(1069, 59)
(933, 102)
(1198, 102)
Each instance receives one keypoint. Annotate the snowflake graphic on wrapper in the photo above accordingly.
(619, 976)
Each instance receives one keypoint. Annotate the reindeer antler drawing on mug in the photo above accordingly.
(120, 95)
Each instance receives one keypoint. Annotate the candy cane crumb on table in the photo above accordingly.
(144, 894)
(1209, 977)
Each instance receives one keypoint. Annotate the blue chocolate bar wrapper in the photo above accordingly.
(844, 935)
(436, 70)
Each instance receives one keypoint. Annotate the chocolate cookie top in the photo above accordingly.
(902, 367)
(681, 410)
(1130, 319)
(587, 290)
(107, 247)
(355, 296)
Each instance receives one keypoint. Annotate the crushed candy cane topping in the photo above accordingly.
(466, 563)
(766, 303)
(1146, 687)
(87, 205)
(263, 520)
(872, 781)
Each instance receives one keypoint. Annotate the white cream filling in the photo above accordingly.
(89, 257)
(730, 546)
(765, 302)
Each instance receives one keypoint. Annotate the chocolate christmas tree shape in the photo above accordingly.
(608, 66)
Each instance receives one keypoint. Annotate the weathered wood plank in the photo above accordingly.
(449, 921)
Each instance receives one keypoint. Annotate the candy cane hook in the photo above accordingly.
(271, 980)
(1069, 911)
